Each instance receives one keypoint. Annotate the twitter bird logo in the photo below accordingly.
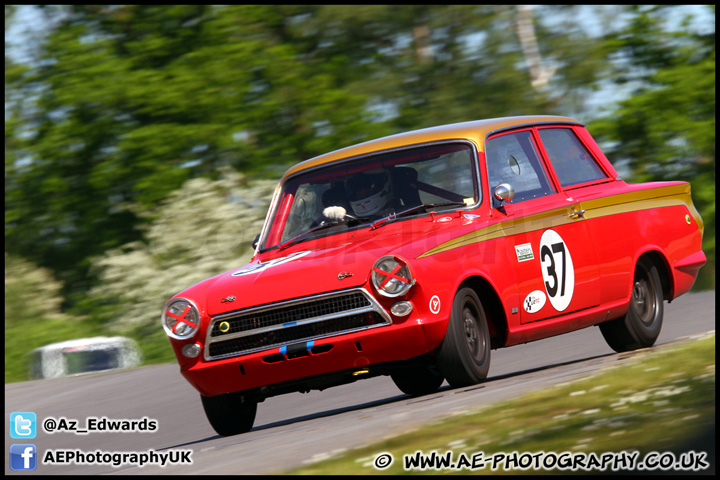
(23, 425)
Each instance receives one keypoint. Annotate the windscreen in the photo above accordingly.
(358, 192)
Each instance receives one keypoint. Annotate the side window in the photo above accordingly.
(571, 161)
(513, 158)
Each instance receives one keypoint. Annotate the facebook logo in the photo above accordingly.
(23, 425)
(23, 456)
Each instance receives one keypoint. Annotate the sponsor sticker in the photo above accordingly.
(435, 304)
(534, 301)
(524, 252)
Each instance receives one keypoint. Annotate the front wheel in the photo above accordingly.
(464, 356)
(641, 325)
(230, 414)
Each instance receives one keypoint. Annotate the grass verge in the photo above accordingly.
(657, 406)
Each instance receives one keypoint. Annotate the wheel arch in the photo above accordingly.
(494, 311)
(659, 260)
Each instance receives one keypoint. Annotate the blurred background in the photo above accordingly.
(143, 143)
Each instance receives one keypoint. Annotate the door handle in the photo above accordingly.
(577, 214)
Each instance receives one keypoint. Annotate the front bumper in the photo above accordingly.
(308, 360)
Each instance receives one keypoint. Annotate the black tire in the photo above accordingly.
(417, 380)
(230, 414)
(464, 356)
(641, 325)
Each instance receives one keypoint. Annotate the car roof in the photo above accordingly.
(475, 131)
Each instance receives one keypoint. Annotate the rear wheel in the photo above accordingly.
(417, 380)
(230, 414)
(641, 325)
(464, 356)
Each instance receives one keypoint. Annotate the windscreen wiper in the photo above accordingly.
(304, 234)
(425, 206)
(335, 220)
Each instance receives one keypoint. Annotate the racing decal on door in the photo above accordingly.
(535, 301)
(524, 252)
(262, 266)
(557, 270)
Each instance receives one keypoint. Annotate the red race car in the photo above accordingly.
(416, 254)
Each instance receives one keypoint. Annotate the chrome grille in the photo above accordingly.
(285, 316)
(291, 322)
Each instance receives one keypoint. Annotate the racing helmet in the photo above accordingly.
(368, 192)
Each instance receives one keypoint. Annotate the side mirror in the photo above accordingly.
(504, 192)
(255, 242)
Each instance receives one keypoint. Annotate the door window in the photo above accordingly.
(571, 161)
(513, 158)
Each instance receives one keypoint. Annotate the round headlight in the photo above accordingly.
(392, 277)
(180, 319)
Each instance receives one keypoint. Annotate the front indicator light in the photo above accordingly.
(392, 277)
(191, 350)
(401, 309)
(180, 319)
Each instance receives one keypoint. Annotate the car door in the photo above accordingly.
(572, 155)
(548, 238)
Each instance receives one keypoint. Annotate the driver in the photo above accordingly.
(370, 193)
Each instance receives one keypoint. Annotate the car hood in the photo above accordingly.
(318, 266)
(298, 274)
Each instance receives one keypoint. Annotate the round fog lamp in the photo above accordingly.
(191, 350)
(401, 309)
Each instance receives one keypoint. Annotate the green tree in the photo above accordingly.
(33, 317)
(204, 228)
(665, 130)
(123, 104)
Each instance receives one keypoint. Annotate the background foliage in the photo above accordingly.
(127, 126)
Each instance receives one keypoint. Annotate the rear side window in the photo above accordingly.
(571, 161)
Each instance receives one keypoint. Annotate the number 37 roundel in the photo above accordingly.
(557, 270)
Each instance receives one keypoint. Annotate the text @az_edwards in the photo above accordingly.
(99, 424)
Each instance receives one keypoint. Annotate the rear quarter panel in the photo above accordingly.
(627, 221)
